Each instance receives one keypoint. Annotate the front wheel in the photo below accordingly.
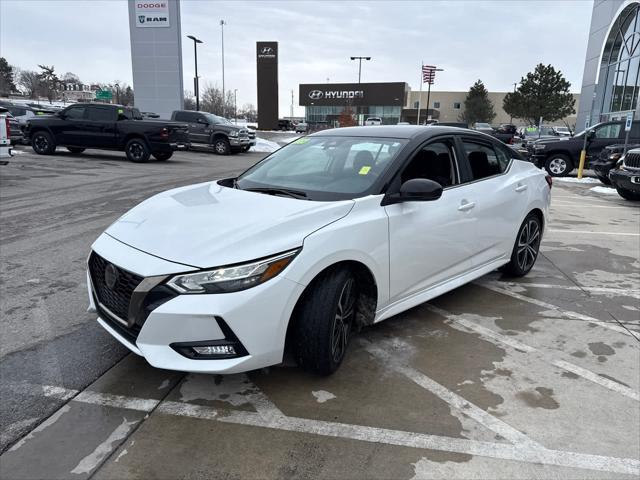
(221, 146)
(558, 165)
(324, 322)
(137, 150)
(163, 155)
(43, 144)
(628, 194)
(525, 251)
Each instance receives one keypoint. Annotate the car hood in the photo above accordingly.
(208, 225)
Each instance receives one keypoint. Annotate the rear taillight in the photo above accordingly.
(164, 133)
(6, 119)
(549, 180)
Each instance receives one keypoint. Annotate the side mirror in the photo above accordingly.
(415, 190)
(591, 134)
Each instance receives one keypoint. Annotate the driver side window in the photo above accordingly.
(435, 161)
(611, 130)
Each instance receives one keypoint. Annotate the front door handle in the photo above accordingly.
(465, 206)
(521, 188)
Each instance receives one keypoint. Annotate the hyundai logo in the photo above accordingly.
(110, 276)
(266, 50)
(316, 94)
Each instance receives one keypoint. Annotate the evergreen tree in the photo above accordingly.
(7, 84)
(477, 106)
(542, 93)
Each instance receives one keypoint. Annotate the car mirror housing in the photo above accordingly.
(415, 190)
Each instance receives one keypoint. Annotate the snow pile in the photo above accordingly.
(576, 180)
(605, 190)
(264, 146)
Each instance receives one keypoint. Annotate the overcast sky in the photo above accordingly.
(496, 41)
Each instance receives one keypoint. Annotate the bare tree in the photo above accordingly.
(30, 83)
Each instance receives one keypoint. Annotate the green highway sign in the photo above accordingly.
(104, 95)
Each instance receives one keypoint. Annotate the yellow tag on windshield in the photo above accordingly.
(364, 170)
(300, 141)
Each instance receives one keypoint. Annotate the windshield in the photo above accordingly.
(213, 119)
(324, 168)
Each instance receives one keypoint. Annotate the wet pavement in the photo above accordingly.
(536, 377)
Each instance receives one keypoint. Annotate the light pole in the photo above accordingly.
(224, 100)
(235, 105)
(196, 83)
(514, 91)
(117, 93)
(359, 76)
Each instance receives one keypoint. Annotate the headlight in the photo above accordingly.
(234, 277)
(615, 156)
(233, 133)
(537, 146)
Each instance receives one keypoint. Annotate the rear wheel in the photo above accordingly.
(525, 251)
(628, 194)
(137, 150)
(163, 155)
(42, 143)
(75, 149)
(325, 320)
(221, 146)
(558, 165)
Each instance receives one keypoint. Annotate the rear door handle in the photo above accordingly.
(521, 188)
(464, 206)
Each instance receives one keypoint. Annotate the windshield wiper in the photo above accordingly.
(278, 191)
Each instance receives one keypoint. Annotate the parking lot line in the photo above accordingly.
(454, 400)
(491, 335)
(623, 207)
(614, 291)
(492, 285)
(591, 232)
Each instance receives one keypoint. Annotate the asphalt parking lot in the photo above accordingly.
(537, 377)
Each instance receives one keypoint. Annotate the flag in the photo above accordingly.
(428, 74)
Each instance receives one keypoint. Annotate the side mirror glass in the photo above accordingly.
(416, 190)
(591, 134)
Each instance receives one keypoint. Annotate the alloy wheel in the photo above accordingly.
(221, 148)
(558, 166)
(41, 143)
(528, 245)
(342, 322)
(136, 151)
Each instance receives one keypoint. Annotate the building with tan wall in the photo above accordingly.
(447, 107)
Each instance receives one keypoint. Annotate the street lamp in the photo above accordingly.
(235, 105)
(224, 100)
(196, 83)
(117, 93)
(360, 64)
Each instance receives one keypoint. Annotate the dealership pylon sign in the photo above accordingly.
(150, 14)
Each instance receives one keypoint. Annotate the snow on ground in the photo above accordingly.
(605, 190)
(265, 146)
(576, 180)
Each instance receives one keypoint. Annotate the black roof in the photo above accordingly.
(395, 131)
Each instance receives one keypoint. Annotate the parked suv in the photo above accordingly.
(607, 160)
(106, 127)
(207, 129)
(626, 177)
(559, 156)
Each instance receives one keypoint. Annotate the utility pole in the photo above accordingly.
(196, 82)
(292, 104)
(235, 105)
(224, 100)
(359, 77)
(514, 91)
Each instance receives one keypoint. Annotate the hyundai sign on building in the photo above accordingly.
(325, 102)
(156, 55)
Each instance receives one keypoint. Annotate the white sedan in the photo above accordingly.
(335, 231)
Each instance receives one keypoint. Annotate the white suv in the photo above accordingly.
(373, 121)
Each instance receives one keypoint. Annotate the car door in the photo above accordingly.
(495, 198)
(429, 242)
(69, 130)
(199, 128)
(604, 135)
(99, 127)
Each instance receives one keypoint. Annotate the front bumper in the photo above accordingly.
(257, 317)
(626, 179)
(602, 168)
(238, 141)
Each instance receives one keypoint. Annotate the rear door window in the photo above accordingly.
(100, 114)
(75, 113)
(483, 159)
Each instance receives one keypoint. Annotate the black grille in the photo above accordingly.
(632, 160)
(116, 299)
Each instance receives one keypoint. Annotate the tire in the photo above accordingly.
(221, 146)
(75, 149)
(324, 322)
(245, 149)
(526, 248)
(162, 156)
(628, 194)
(604, 179)
(137, 150)
(42, 143)
(558, 165)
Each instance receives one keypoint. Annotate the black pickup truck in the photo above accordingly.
(209, 130)
(559, 156)
(106, 127)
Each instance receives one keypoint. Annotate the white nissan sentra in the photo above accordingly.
(335, 231)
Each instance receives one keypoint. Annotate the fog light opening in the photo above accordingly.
(215, 350)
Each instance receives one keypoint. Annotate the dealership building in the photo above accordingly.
(610, 83)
